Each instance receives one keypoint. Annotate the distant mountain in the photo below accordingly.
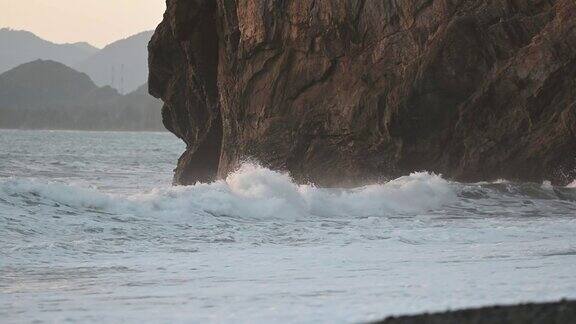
(49, 95)
(45, 82)
(122, 64)
(85, 46)
(18, 47)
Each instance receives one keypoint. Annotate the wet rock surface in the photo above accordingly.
(345, 92)
(563, 312)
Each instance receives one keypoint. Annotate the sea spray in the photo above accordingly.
(256, 192)
(253, 192)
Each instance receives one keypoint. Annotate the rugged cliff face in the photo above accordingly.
(341, 92)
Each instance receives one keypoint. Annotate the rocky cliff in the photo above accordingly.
(342, 92)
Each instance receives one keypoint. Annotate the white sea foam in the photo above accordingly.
(256, 192)
(53, 192)
(547, 185)
(572, 185)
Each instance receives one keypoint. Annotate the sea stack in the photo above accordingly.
(346, 92)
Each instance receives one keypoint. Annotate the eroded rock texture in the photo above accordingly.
(341, 92)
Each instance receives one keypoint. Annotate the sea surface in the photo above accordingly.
(91, 230)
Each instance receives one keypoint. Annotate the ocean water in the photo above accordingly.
(92, 231)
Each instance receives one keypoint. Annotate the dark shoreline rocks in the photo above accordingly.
(346, 92)
(562, 312)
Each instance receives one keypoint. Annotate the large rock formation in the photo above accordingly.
(341, 92)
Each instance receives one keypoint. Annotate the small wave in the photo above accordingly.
(251, 192)
(503, 189)
(38, 192)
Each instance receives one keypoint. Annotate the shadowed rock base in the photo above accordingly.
(563, 312)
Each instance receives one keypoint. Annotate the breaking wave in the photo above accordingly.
(252, 191)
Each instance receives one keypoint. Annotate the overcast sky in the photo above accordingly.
(98, 22)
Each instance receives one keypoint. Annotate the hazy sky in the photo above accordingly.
(98, 22)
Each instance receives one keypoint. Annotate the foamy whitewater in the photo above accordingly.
(92, 231)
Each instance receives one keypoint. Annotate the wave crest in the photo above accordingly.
(252, 192)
